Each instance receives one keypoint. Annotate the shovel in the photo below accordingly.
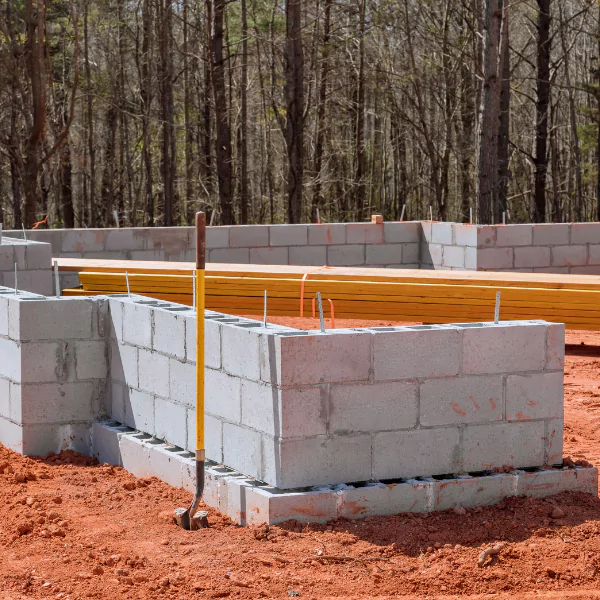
(192, 518)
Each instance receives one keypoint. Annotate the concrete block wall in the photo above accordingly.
(53, 371)
(448, 246)
(34, 263)
(295, 408)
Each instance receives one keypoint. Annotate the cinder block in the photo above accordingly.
(153, 372)
(554, 441)
(222, 395)
(534, 396)
(182, 382)
(288, 235)
(465, 235)
(248, 236)
(269, 256)
(504, 348)
(137, 324)
(173, 240)
(216, 237)
(385, 499)
(169, 333)
(441, 233)
(39, 440)
(135, 455)
(139, 411)
(82, 240)
(322, 460)
(3, 316)
(91, 360)
(56, 403)
(326, 234)
(43, 362)
(400, 233)
(569, 256)
(594, 254)
(115, 309)
(38, 256)
(384, 254)
(453, 256)
(118, 392)
(503, 444)
(471, 259)
(170, 422)
(458, 400)
(7, 256)
(532, 256)
(495, 258)
(308, 255)
(589, 270)
(232, 497)
(124, 364)
(263, 506)
(166, 465)
(364, 233)
(212, 343)
(514, 235)
(10, 365)
(416, 453)
(585, 233)
(124, 239)
(242, 450)
(410, 256)
(549, 482)
(311, 359)
(106, 442)
(413, 353)
(486, 236)
(431, 254)
(241, 349)
(556, 269)
(375, 407)
(469, 492)
(4, 398)
(549, 234)
(346, 256)
(213, 436)
(230, 255)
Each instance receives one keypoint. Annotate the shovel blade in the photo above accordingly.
(182, 518)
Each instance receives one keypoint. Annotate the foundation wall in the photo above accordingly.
(34, 262)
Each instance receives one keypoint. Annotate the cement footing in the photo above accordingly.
(250, 502)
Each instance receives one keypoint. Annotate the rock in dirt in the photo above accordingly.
(19, 477)
(57, 499)
(558, 513)
(489, 552)
(129, 486)
(97, 570)
(25, 527)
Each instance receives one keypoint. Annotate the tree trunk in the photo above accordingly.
(359, 175)
(244, 119)
(90, 120)
(504, 132)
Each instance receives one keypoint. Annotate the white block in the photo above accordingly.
(585, 233)
(471, 259)
(248, 236)
(213, 436)
(441, 233)
(569, 256)
(458, 400)
(547, 482)
(216, 237)
(169, 333)
(384, 254)
(43, 362)
(532, 256)
(124, 364)
(38, 256)
(468, 492)
(137, 324)
(182, 382)
(465, 235)
(415, 453)
(10, 365)
(431, 254)
(346, 256)
(550, 234)
(399, 233)
(170, 422)
(135, 455)
(91, 360)
(555, 342)
(503, 444)
(514, 235)
(222, 395)
(105, 443)
(118, 392)
(495, 258)
(242, 450)
(269, 256)
(139, 411)
(375, 407)
(454, 256)
(308, 255)
(288, 235)
(4, 398)
(413, 353)
(534, 396)
(554, 441)
(504, 348)
(241, 349)
(116, 309)
(327, 234)
(153, 372)
(166, 465)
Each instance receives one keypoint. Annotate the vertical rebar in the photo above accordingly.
(265, 312)
(402, 214)
(503, 218)
(320, 303)
(127, 282)
(16, 281)
(497, 309)
(56, 280)
(471, 215)
(24, 234)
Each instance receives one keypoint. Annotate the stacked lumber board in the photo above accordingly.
(403, 295)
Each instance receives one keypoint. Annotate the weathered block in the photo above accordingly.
(248, 236)
(585, 233)
(532, 256)
(495, 258)
(384, 254)
(400, 233)
(153, 372)
(169, 333)
(569, 256)
(308, 255)
(230, 255)
(514, 235)
(548, 482)
(469, 492)
(442, 233)
(465, 235)
(346, 256)
(547, 234)
(216, 237)
(534, 396)
(364, 233)
(288, 235)
(91, 357)
(269, 256)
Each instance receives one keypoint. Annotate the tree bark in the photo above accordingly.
(244, 199)
(90, 119)
(504, 131)
(360, 150)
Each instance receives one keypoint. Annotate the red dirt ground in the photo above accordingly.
(72, 529)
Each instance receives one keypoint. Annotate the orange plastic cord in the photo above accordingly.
(44, 222)
(332, 313)
(302, 288)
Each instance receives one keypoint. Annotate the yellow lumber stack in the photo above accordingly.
(403, 295)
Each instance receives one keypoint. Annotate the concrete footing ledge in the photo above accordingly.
(250, 502)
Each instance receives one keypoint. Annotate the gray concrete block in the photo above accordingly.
(495, 258)
(588, 270)
(124, 364)
(4, 398)
(322, 460)
(248, 236)
(212, 343)
(139, 411)
(269, 256)
(82, 240)
(40, 440)
(152, 255)
(106, 442)
(465, 235)
(454, 256)
(56, 403)
(10, 365)
(534, 396)
(431, 254)
(504, 348)
(346, 256)
(165, 464)
(11, 435)
(554, 441)
(216, 237)
(135, 455)
(3, 316)
(242, 450)
(118, 392)
(486, 236)
(222, 395)
(213, 436)
(326, 234)
(549, 482)
(416, 453)
(230, 255)
(384, 254)
(170, 422)
(458, 400)
(115, 308)
(153, 372)
(442, 233)
(503, 444)
(288, 235)
(468, 492)
(38, 256)
(410, 256)
(364, 233)
(471, 259)
(308, 255)
(137, 324)
(169, 333)
(375, 407)
(514, 235)
(550, 234)
(594, 254)
(400, 233)
(569, 256)
(182, 382)
(383, 500)
(585, 233)
(43, 362)
(91, 362)
(124, 239)
(412, 353)
(532, 256)
(240, 353)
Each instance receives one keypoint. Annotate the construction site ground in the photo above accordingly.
(73, 529)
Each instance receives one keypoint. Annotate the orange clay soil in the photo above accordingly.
(73, 529)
